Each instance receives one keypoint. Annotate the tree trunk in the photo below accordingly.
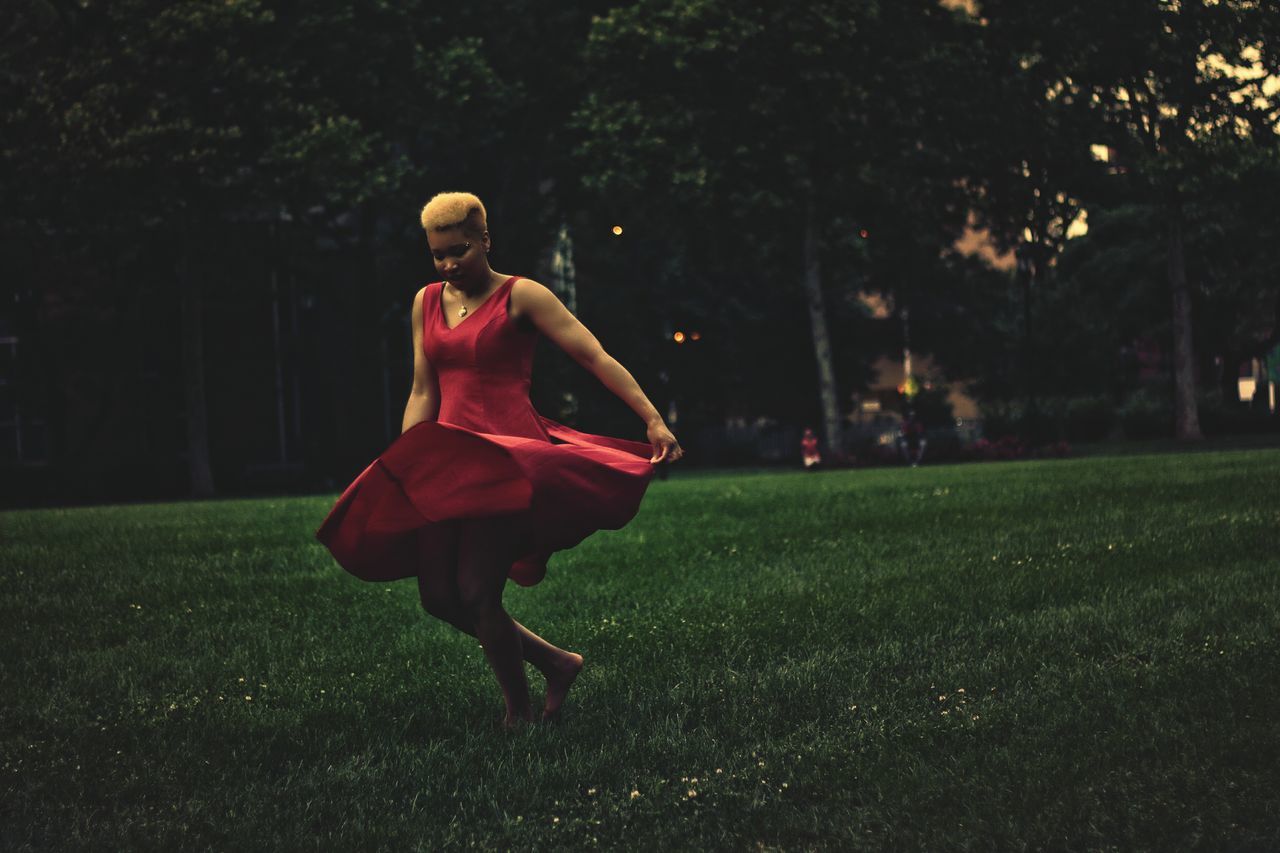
(296, 356)
(1186, 420)
(193, 376)
(821, 338)
(282, 434)
(1028, 271)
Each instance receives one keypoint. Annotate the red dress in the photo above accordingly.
(488, 453)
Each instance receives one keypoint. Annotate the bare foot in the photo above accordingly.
(513, 723)
(558, 682)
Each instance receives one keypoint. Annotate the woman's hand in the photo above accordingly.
(665, 446)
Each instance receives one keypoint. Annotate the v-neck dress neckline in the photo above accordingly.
(472, 313)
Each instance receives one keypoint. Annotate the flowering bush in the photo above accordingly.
(1011, 447)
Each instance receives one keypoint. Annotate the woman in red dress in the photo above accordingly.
(479, 487)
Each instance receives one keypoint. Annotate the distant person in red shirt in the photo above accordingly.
(809, 449)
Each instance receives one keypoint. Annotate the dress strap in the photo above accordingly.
(430, 306)
(505, 297)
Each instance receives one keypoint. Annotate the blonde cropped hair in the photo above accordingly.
(454, 210)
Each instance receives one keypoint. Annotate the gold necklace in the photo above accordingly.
(462, 312)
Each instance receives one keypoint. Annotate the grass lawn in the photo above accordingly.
(1074, 654)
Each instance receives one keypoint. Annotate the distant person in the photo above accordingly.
(809, 453)
(479, 487)
(911, 439)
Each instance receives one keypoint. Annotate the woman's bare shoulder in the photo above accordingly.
(527, 291)
(527, 296)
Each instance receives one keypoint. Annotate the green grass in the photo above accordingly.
(1077, 654)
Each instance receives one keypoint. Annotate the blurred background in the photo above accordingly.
(1034, 224)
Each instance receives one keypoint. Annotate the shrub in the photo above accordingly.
(1057, 450)
(1221, 416)
(1012, 418)
(1000, 419)
(1047, 427)
(1147, 414)
(1089, 418)
(1005, 448)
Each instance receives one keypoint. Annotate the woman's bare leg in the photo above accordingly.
(485, 554)
(558, 666)
(440, 598)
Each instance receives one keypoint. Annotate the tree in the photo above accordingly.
(1159, 73)
(1236, 247)
(176, 120)
(1031, 174)
(767, 124)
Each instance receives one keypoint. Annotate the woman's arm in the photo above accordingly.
(424, 396)
(548, 314)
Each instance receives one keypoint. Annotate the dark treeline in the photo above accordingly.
(210, 241)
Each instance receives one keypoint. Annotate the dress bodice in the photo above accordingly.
(483, 365)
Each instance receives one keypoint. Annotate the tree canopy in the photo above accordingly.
(790, 182)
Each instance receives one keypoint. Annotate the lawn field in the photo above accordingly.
(1075, 654)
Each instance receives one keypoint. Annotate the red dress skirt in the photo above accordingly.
(488, 453)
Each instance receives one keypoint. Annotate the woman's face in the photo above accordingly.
(459, 256)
